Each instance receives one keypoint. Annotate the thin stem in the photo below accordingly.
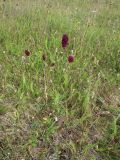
(45, 85)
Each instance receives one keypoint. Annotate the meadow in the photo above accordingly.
(59, 102)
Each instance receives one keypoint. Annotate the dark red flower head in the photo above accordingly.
(64, 41)
(27, 52)
(71, 58)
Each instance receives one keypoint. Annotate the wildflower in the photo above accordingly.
(56, 119)
(94, 11)
(23, 59)
(45, 118)
(70, 58)
(27, 52)
(64, 41)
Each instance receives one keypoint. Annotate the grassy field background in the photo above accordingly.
(52, 109)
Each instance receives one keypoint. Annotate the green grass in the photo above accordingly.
(52, 109)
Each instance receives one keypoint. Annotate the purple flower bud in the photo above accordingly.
(70, 58)
(64, 41)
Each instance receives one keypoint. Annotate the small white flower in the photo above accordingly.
(50, 114)
(56, 119)
(45, 119)
(94, 11)
(23, 58)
